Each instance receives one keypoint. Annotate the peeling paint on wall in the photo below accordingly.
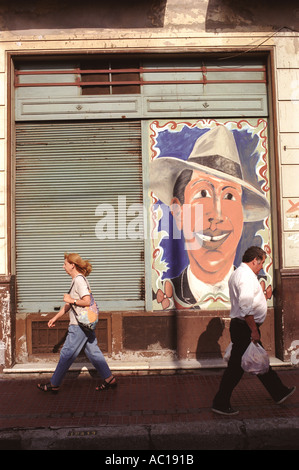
(5, 325)
(2, 353)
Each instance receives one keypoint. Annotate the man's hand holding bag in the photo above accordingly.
(255, 360)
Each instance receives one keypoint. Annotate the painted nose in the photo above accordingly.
(215, 216)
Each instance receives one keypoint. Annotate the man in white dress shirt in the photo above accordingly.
(248, 312)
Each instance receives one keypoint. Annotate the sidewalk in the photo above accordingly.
(168, 411)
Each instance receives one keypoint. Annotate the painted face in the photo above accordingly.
(212, 221)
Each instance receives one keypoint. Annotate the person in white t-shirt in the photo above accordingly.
(77, 337)
(248, 312)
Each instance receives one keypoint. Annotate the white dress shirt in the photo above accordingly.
(246, 295)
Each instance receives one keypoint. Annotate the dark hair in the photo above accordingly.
(253, 252)
(181, 182)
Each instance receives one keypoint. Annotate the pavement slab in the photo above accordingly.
(148, 412)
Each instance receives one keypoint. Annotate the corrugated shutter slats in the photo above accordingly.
(64, 171)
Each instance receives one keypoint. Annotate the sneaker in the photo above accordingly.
(225, 411)
(288, 394)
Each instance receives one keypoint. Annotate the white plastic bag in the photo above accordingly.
(255, 359)
(228, 351)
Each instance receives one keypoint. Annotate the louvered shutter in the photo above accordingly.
(65, 172)
(160, 88)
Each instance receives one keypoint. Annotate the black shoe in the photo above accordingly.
(287, 395)
(225, 411)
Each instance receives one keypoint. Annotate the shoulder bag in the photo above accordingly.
(87, 317)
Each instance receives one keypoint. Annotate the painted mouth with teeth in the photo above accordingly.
(211, 240)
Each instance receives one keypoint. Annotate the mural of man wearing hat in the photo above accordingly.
(212, 178)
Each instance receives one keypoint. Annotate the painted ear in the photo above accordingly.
(176, 210)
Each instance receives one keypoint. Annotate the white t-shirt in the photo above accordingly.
(79, 288)
(246, 295)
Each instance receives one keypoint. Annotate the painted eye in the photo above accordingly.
(202, 194)
(229, 196)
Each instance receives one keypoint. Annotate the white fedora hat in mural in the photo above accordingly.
(215, 153)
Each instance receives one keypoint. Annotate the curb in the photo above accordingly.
(265, 434)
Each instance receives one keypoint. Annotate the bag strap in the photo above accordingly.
(71, 289)
(84, 280)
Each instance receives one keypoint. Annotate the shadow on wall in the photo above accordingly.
(208, 346)
(69, 14)
(242, 15)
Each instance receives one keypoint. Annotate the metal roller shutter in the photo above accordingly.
(64, 171)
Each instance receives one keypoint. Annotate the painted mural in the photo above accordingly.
(209, 193)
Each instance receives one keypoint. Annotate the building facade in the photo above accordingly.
(159, 143)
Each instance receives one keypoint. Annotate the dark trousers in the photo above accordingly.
(241, 336)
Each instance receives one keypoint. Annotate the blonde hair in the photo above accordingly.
(83, 266)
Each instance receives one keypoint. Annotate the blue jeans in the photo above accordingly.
(77, 340)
